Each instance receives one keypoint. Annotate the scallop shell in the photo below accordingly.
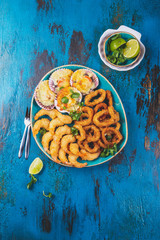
(94, 78)
(40, 104)
(64, 71)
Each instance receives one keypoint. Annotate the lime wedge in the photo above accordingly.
(116, 43)
(132, 49)
(36, 166)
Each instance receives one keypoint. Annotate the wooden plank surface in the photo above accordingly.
(117, 200)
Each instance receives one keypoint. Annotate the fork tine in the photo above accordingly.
(26, 113)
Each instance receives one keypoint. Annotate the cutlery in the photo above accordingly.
(27, 146)
(27, 124)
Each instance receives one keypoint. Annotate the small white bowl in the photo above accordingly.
(101, 49)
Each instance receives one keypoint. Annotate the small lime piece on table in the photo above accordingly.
(132, 49)
(36, 166)
(116, 44)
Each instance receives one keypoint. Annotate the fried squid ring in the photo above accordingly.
(82, 133)
(61, 131)
(116, 125)
(91, 147)
(109, 98)
(81, 144)
(63, 158)
(115, 135)
(113, 113)
(55, 123)
(92, 132)
(73, 160)
(89, 156)
(42, 123)
(100, 107)
(46, 139)
(51, 113)
(83, 116)
(87, 121)
(102, 144)
(66, 140)
(101, 97)
(106, 118)
(101, 119)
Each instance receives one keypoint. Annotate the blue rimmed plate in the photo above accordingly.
(104, 84)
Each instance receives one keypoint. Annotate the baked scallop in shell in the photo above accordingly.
(68, 99)
(60, 79)
(44, 96)
(84, 80)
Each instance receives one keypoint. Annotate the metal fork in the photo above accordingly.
(27, 125)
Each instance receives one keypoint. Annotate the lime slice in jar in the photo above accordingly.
(116, 44)
(36, 166)
(132, 49)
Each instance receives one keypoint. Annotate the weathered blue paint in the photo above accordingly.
(116, 200)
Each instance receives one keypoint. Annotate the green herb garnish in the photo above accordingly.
(71, 91)
(74, 131)
(61, 88)
(75, 95)
(111, 58)
(75, 115)
(64, 108)
(42, 131)
(64, 100)
(49, 195)
(115, 37)
(81, 104)
(33, 180)
(109, 151)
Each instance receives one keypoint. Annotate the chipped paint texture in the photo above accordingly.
(118, 200)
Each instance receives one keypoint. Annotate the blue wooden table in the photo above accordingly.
(118, 200)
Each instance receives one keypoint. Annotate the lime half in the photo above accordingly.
(116, 43)
(132, 49)
(36, 166)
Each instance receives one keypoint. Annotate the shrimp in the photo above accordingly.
(63, 158)
(51, 113)
(54, 148)
(89, 156)
(42, 123)
(74, 149)
(60, 132)
(66, 140)
(73, 160)
(66, 119)
(55, 123)
(47, 137)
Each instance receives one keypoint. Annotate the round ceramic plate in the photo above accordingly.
(104, 84)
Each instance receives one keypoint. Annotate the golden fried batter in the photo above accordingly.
(51, 113)
(42, 123)
(61, 131)
(73, 160)
(47, 137)
(55, 123)
(66, 140)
